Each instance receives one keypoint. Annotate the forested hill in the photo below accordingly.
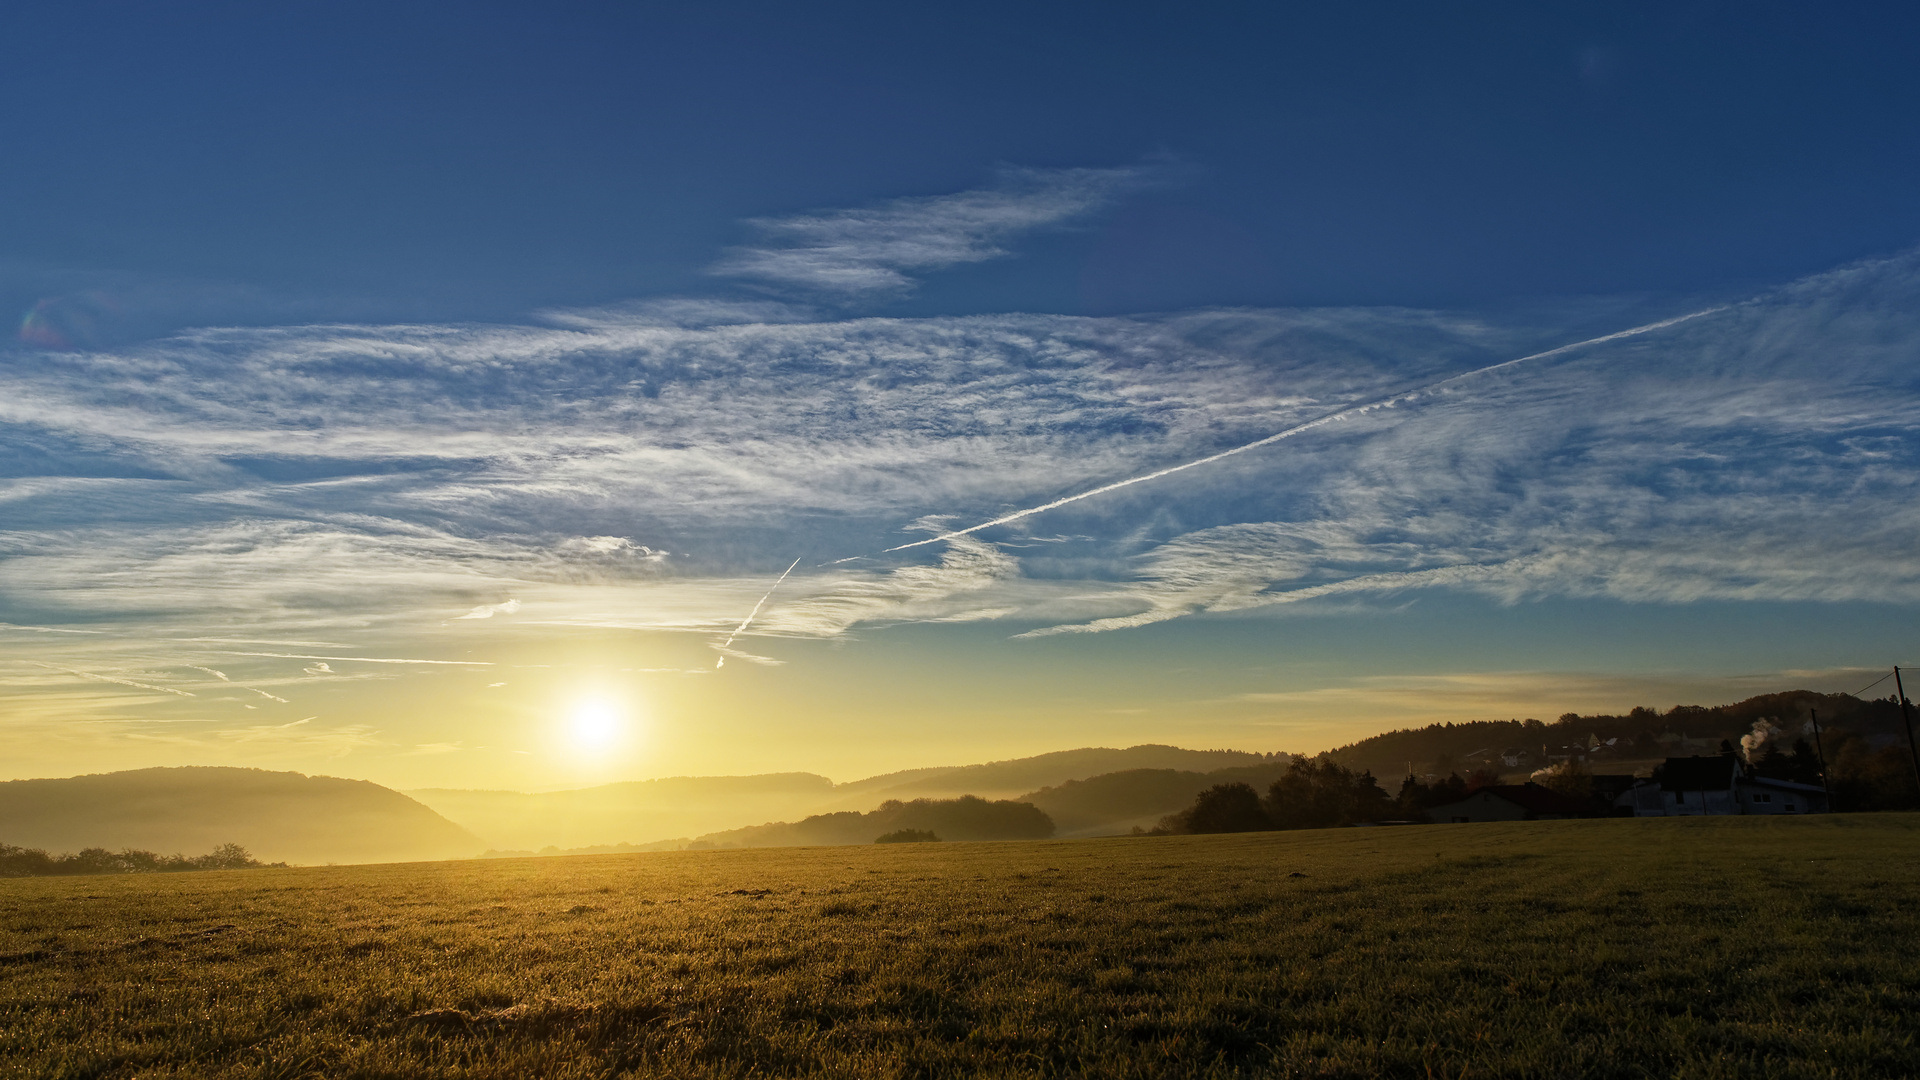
(1009, 778)
(1849, 724)
(278, 816)
(964, 818)
(1117, 801)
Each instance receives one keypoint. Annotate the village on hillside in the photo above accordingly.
(1791, 753)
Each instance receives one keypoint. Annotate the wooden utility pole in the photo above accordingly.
(1906, 714)
(1821, 753)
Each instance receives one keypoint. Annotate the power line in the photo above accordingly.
(1871, 685)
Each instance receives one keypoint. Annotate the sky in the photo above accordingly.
(484, 396)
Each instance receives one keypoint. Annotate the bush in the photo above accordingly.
(908, 836)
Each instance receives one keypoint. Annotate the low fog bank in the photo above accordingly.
(651, 814)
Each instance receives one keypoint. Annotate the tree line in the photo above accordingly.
(1312, 794)
(33, 862)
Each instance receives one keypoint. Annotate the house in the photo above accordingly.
(1511, 802)
(1608, 787)
(1702, 786)
(1760, 795)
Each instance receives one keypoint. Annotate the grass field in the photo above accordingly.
(1692, 948)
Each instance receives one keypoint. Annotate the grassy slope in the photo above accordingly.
(1685, 947)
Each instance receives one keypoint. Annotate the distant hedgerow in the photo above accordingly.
(908, 836)
(33, 862)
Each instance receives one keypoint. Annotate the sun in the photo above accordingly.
(596, 725)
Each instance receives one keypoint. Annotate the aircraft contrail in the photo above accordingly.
(112, 679)
(748, 621)
(1354, 410)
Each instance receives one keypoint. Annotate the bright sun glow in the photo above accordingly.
(596, 726)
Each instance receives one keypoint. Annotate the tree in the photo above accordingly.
(908, 836)
(1481, 777)
(1223, 808)
(226, 857)
(1414, 797)
(1319, 794)
(1450, 790)
(1803, 765)
(1567, 777)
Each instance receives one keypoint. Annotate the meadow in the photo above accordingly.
(1730, 947)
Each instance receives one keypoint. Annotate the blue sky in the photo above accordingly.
(392, 380)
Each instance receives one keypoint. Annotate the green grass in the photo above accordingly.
(1691, 948)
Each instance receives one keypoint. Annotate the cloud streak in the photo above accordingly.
(1300, 429)
(876, 250)
(383, 488)
(363, 659)
(113, 679)
(725, 648)
(488, 611)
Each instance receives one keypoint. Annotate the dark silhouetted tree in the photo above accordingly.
(1803, 765)
(908, 836)
(1223, 808)
(1450, 790)
(1414, 797)
(1319, 794)
(226, 857)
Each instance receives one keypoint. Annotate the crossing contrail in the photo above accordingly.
(748, 621)
(1354, 410)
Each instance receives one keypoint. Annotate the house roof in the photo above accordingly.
(1538, 799)
(1699, 773)
(1784, 785)
(1529, 797)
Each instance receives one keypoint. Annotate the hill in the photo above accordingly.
(636, 811)
(647, 811)
(1628, 742)
(964, 818)
(1115, 802)
(278, 816)
(1003, 779)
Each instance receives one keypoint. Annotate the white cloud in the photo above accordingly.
(77, 673)
(751, 658)
(968, 567)
(488, 611)
(297, 735)
(301, 483)
(877, 249)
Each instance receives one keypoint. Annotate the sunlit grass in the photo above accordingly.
(1704, 948)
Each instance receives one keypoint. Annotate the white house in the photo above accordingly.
(1701, 786)
(1759, 795)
